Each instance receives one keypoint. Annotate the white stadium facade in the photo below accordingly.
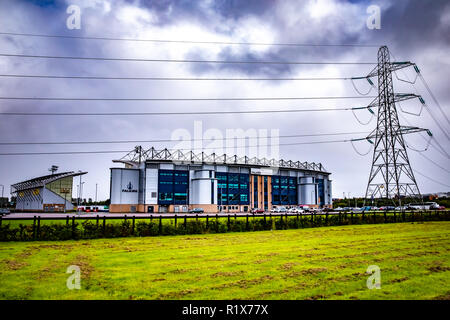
(176, 181)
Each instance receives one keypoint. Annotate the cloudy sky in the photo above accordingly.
(415, 30)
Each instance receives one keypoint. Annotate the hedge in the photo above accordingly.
(192, 225)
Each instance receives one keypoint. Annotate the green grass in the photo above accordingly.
(317, 263)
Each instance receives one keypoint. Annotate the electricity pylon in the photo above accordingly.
(391, 176)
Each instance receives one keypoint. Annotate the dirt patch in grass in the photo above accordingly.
(177, 271)
(349, 256)
(244, 283)
(272, 254)
(348, 277)
(175, 295)
(262, 261)
(438, 269)
(445, 296)
(313, 271)
(221, 259)
(287, 266)
(25, 254)
(317, 297)
(303, 273)
(228, 274)
(83, 263)
(399, 280)
(199, 238)
(17, 261)
(14, 264)
(310, 255)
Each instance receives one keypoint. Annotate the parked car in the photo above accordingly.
(441, 208)
(423, 206)
(296, 210)
(4, 211)
(282, 210)
(339, 209)
(257, 210)
(197, 210)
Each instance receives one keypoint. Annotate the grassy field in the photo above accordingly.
(317, 263)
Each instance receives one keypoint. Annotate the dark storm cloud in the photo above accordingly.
(171, 11)
(248, 69)
(414, 24)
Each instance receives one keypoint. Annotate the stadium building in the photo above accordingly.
(176, 181)
(51, 193)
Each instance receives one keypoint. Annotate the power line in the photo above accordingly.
(187, 41)
(446, 185)
(99, 114)
(125, 151)
(185, 60)
(435, 163)
(426, 106)
(171, 140)
(434, 98)
(441, 149)
(181, 99)
(169, 78)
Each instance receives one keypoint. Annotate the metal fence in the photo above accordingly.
(267, 221)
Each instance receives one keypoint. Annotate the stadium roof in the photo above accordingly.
(139, 155)
(41, 181)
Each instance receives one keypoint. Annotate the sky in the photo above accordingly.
(414, 30)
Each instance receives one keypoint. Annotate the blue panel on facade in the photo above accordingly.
(222, 188)
(284, 190)
(173, 186)
(233, 188)
(321, 191)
